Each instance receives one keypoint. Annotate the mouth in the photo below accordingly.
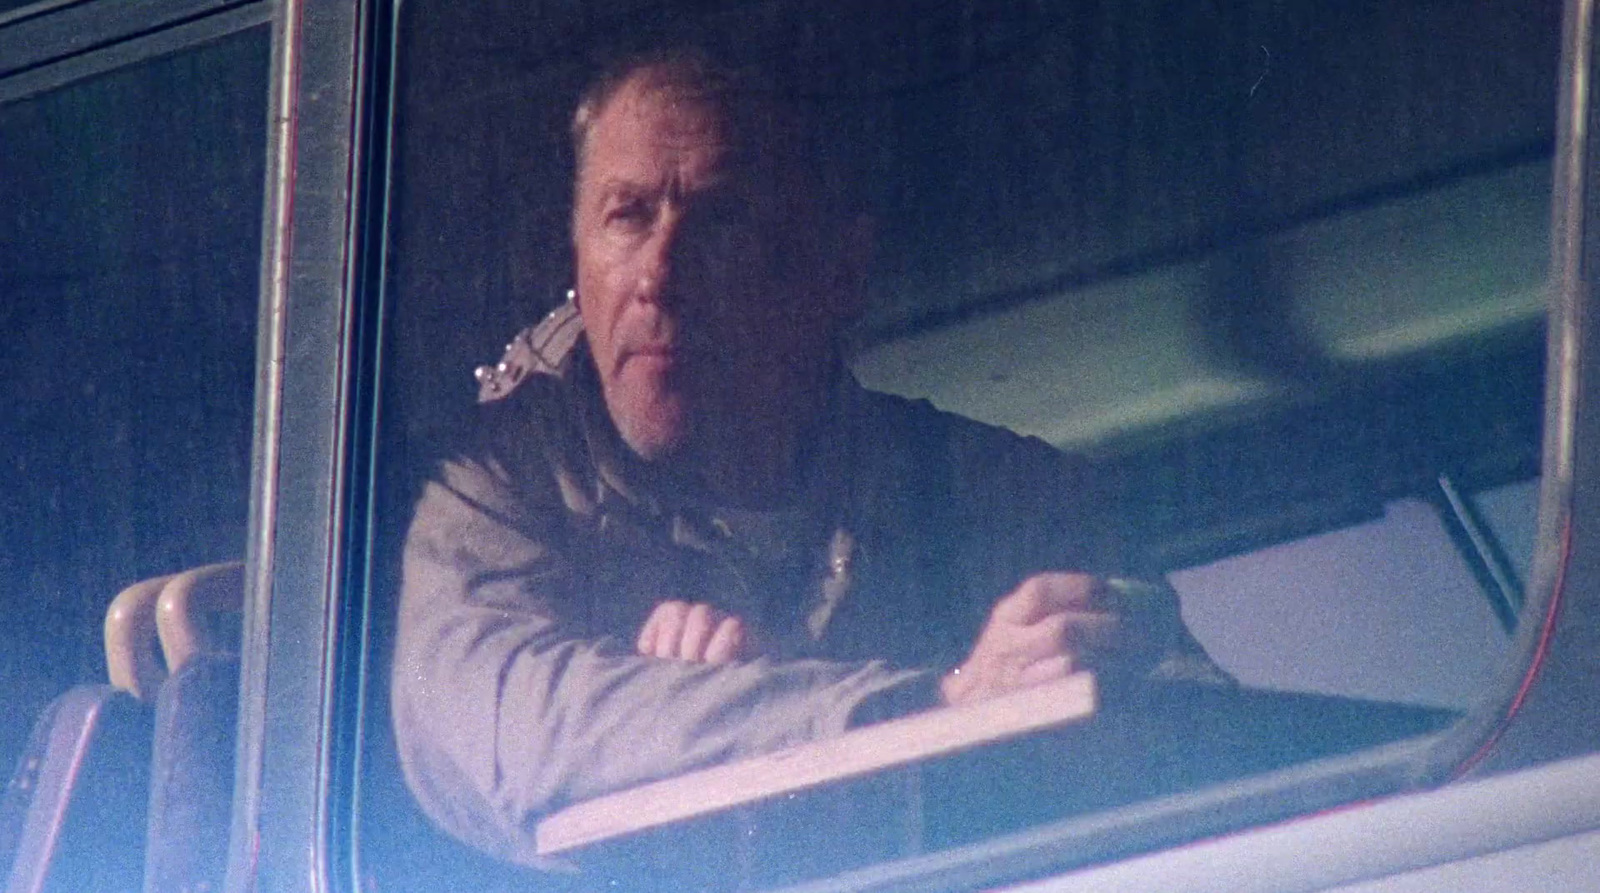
(654, 355)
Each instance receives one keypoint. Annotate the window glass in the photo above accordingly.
(10, 5)
(1265, 274)
(130, 215)
(1512, 514)
(1381, 610)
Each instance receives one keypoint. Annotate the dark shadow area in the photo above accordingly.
(130, 216)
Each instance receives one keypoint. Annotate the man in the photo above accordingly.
(684, 534)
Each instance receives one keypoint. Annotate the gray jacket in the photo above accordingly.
(536, 554)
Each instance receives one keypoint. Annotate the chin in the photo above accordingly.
(651, 447)
(656, 433)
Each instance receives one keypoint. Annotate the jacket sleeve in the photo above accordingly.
(1025, 507)
(505, 708)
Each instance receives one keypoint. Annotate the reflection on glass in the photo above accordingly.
(1265, 276)
(1386, 610)
(130, 211)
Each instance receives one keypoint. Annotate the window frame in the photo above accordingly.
(54, 42)
(321, 310)
(55, 45)
(322, 324)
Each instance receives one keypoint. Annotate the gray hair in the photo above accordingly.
(761, 117)
(680, 68)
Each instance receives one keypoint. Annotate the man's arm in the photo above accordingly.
(1034, 520)
(505, 708)
(677, 630)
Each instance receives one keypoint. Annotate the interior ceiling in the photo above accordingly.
(1431, 273)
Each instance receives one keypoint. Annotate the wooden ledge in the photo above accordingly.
(886, 745)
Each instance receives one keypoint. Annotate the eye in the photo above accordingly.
(631, 214)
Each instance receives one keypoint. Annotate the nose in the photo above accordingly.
(655, 270)
(656, 264)
(679, 260)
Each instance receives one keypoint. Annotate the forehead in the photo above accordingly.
(647, 126)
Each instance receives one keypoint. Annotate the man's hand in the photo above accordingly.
(1042, 631)
(700, 633)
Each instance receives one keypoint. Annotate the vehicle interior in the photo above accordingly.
(1278, 270)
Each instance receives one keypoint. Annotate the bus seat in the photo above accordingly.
(198, 612)
(192, 757)
(191, 776)
(133, 660)
(70, 815)
(109, 790)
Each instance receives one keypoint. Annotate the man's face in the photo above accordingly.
(696, 277)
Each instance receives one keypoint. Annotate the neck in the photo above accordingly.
(750, 469)
(751, 458)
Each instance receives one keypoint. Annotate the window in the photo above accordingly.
(131, 212)
(1276, 275)
(130, 216)
(1379, 610)
(1270, 276)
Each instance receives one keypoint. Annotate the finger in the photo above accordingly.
(1065, 591)
(698, 624)
(652, 629)
(1055, 667)
(669, 619)
(646, 643)
(1064, 632)
(727, 642)
(1045, 594)
(1092, 632)
(1019, 646)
